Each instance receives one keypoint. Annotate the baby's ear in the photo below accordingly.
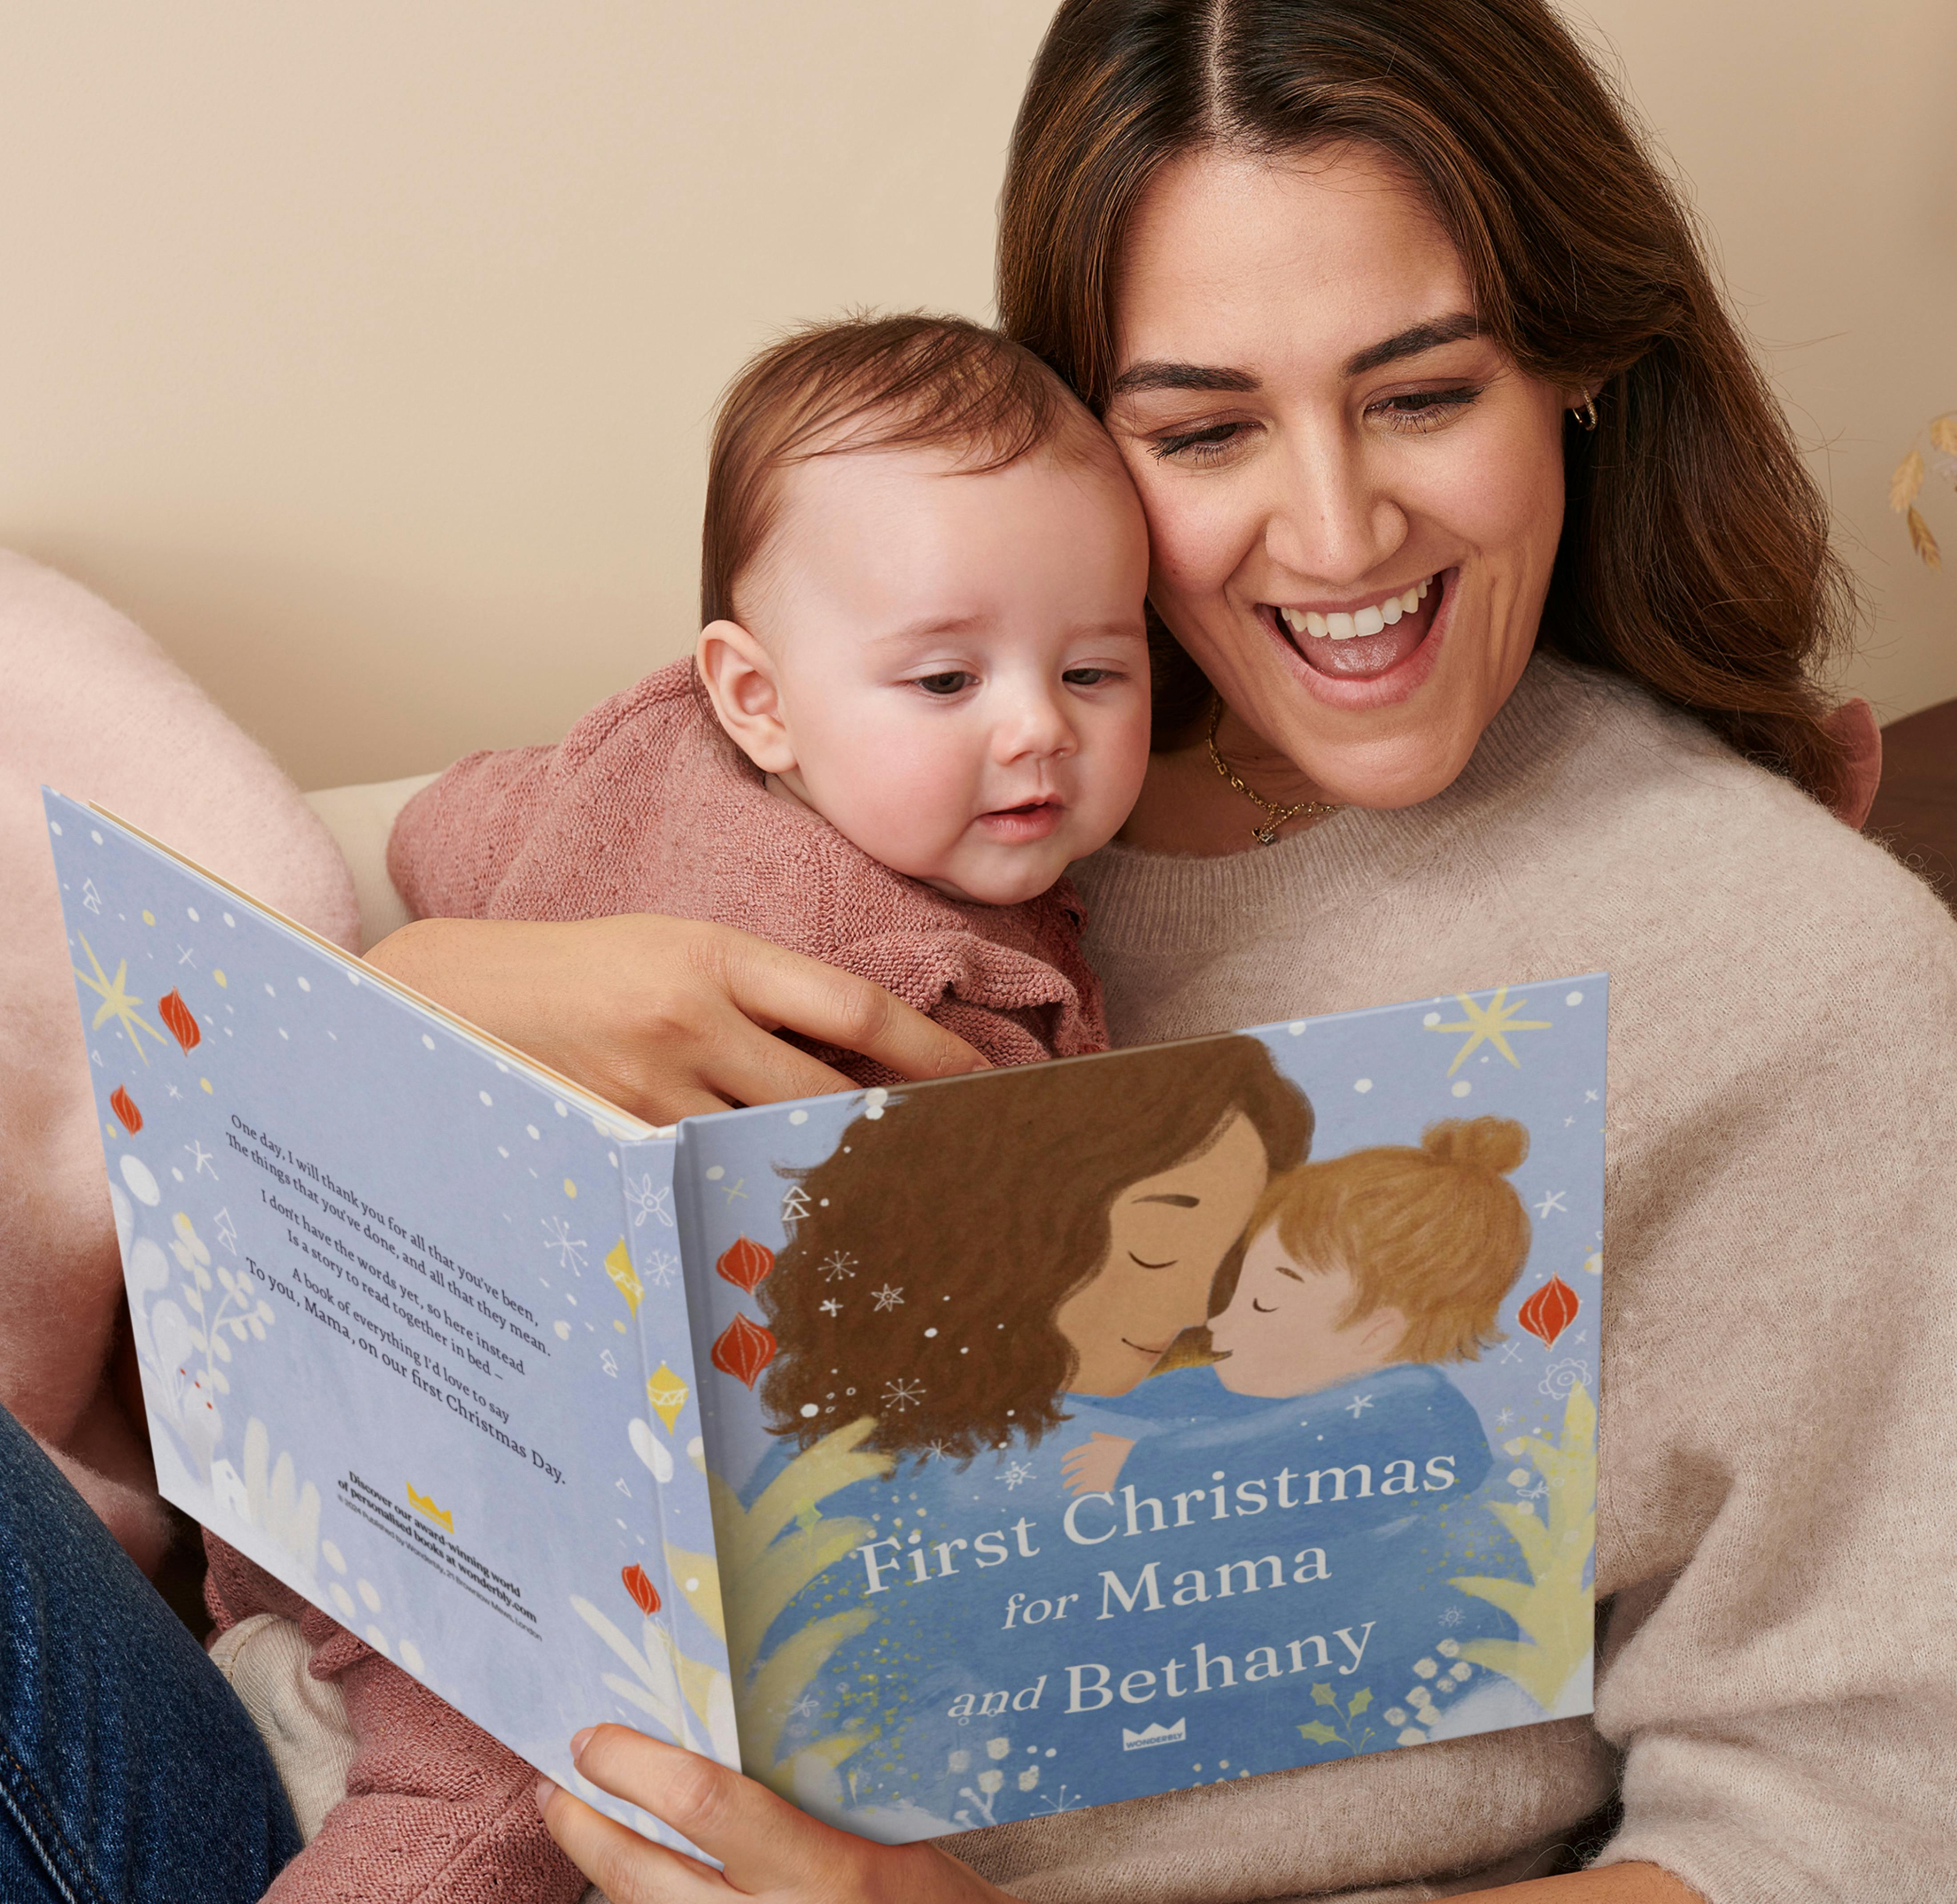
(740, 680)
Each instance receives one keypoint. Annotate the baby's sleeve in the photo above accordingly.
(436, 1810)
(453, 843)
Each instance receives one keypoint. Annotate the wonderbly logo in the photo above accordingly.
(1149, 1735)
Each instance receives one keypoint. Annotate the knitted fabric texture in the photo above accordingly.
(1776, 1663)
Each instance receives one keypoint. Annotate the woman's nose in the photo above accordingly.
(1327, 520)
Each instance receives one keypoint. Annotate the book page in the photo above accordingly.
(403, 1333)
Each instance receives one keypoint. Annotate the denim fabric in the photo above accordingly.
(129, 1773)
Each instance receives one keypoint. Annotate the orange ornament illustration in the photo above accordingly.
(177, 1020)
(124, 1106)
(743, 1349)
(745, 1263)
(1550, 1310)
(644, 1594)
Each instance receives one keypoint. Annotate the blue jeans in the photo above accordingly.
(129, 1773)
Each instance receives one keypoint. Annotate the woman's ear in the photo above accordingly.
(741, 681)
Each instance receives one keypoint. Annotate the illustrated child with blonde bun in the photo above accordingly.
(1359, 1275)
(920, 692)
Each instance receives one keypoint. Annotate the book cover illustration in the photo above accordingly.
(943, 1456)
(1069, 1443)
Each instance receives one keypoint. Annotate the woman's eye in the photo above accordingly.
(1424, 409)
(1263, 1309)
(950, 682)
(1198, 446)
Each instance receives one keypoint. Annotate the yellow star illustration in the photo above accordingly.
(116, 1002)
(1490, 1024)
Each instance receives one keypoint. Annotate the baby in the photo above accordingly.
(920, 692)
(1359, 1273)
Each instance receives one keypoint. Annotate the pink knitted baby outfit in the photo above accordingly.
(646, 806)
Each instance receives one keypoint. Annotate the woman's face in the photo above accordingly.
(1318, 435)
(1168, 1235)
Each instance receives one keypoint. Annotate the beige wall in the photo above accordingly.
(364, 353)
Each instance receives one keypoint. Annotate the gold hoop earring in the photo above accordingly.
(1587, 416)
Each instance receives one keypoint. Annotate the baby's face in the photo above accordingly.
(961, 661)
(1285, 1331)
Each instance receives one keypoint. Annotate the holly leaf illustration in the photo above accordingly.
(1360, 1700)
(1320, 1733)
(1323, 1696)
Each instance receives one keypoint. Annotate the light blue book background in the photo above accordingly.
(415, 1335)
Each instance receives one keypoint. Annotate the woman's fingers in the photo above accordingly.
(767, 1847)
(627, 1868)
(777, 987)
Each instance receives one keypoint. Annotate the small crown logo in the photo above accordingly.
(424, 1504)
(1158, 1734)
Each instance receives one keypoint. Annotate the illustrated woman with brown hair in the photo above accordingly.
(1092, 1207)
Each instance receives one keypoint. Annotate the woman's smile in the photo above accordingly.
(1365, 641)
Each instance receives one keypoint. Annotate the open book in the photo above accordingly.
(941, 1456)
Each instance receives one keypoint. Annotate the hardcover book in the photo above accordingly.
(941, 1456)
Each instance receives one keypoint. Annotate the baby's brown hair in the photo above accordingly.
(1437, 1232)
(867, 383)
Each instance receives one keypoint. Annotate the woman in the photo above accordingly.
(1467, 501)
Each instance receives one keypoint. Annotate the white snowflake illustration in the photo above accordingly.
(806, 1706)
(660, 1269)
(1067, 1801)
(836, 1265)
(569, 1249)
(887, 1298)
(1014, 1472)
(1553, 1200)
(902, 1393)
(1560, 1377)
(1357, 1406)
(1453, 1617)
(645, 1202)
(204, 1158)
(831, 1306)
(1507, 1415)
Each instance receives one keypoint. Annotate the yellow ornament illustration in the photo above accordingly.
(667, 1393)
(618, 1267)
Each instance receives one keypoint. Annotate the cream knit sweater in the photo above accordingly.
(1777, 1530)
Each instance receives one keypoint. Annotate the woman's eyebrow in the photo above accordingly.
(1167, 376)
(1428, 335)
(1180, 1203)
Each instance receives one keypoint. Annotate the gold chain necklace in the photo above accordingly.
(1266, 835)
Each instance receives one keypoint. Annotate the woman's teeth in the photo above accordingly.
(1370, 620)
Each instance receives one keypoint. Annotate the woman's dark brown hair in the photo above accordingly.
(983, 1205)
(1695, 555)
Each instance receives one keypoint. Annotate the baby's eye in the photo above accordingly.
(950, 682)
(1087, 677)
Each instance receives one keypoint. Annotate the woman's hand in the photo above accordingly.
(666, 1018)
(769, 1849)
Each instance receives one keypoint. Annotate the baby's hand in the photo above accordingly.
(1092, 1468)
